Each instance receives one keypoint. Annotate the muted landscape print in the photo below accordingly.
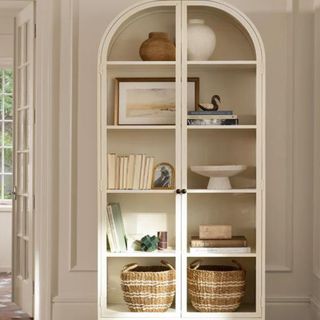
(153, 103)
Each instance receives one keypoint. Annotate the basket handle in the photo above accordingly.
(129, 267)
(239, 265)
(166, 263)
(195, 264)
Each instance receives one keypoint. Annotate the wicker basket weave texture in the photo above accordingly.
(148, 288)
(216, 288)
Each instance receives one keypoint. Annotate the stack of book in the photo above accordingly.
(219, 117)
(133, 171)
(115, 229)
(218, 239)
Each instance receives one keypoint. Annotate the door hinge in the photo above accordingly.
(34, 202)
(35, 30)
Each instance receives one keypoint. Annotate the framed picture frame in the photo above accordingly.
(163, 176)
(150, 101)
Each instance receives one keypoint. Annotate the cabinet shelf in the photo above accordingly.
(160, 191)
(246, 310)
(217, 127)
(137, 127)
(141, 63)
(121, 311)
(158, 253)
(222, 191)
(222, 64)
(252, 254)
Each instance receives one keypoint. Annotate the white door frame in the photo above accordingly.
(44, 142)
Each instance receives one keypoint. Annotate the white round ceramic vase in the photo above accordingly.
(201, 40)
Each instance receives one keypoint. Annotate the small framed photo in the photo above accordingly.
(150, 101)
(163, 176)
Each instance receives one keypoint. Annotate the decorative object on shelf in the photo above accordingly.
(158, 48)
(163, 176)
(214, 231)
(234, 242)
(219, 175)
(150, 101)
(201, 40)
(207, 284)
(163, 240)
(149, 243)
(213, 106)
(129, 172)
(115, 228)
(148, 288)
(212, 119)
(224, 250)
(218, 239)
(133, 244)
(209, 114)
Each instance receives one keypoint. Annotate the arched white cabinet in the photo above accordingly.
(236, 72)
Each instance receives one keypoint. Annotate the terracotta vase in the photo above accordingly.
(158, 48)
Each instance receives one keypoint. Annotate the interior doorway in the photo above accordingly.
(16, 159)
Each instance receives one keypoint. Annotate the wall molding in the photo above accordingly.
(315, 303)
(288, 300)
(316, 159)
(74, 299)
(69, 80)
(73, 162)
(278, 268)
(287, 264)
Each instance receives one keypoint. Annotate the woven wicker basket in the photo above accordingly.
(148, 288)
(216, 288)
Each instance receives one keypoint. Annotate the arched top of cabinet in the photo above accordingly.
(237, 37)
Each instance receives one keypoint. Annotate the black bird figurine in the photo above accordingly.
(213, 106)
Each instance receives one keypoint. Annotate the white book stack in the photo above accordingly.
(129, 172)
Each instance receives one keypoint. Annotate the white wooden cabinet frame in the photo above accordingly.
(108, 68)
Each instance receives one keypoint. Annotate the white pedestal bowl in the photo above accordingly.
(219, 175)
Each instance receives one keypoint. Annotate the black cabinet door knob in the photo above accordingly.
(183, 191)
(178, 191)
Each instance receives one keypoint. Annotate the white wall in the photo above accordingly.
(316, 168)
(287, 30)
(6, 37)
(5, 240)
(6, 56)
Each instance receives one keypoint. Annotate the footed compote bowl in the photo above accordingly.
(219, 175)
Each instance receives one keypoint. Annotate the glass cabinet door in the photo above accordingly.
(219, 144)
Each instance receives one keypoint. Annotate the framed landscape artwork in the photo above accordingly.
(150, 101)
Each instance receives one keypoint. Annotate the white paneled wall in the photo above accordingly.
(6, 37)
(287, 31)
(5, 239)
(6, 58)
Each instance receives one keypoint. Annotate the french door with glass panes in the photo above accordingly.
(23, 207)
